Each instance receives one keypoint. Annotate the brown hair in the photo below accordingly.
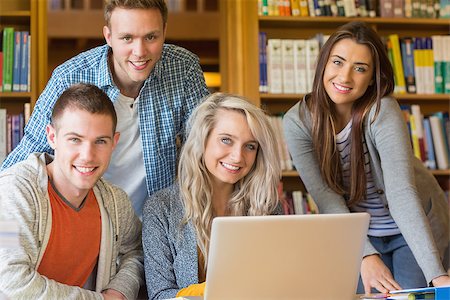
(85, 97)
(324, 114)
(110, 5)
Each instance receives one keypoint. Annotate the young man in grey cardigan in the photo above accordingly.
(79, 235)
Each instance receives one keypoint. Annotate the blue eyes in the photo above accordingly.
(228, 141)
(356, 68)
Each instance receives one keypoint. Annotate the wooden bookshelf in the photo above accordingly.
(27, 15)
(239, 56)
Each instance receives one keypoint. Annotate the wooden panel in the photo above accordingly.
(89, 24)
(239, 48)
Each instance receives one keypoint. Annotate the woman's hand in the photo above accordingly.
(443, 280)
(375, 274)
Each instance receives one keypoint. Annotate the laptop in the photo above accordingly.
(286, 257)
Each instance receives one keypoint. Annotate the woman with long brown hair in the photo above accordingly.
(349, 142)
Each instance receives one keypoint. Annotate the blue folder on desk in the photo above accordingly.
(440, 293)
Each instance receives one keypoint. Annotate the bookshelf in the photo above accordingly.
(27, 15)
(192, 24)
(239, 57)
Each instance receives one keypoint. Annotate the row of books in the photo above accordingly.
(15, 60)
(421, 64)
(429, 136)
(296, 202)
(11, 129)
(355, 8)
(288, 65)
(299, 203)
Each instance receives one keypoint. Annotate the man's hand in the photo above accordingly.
(111, 294)
(375, 274)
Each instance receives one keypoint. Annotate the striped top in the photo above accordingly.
(381, 222)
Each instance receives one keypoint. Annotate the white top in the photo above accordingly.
(381, 221)
(126, 168)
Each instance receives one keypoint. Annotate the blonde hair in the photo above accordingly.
(255, 194)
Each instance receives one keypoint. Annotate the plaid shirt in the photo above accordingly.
(175, 86)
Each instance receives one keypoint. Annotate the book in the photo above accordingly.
(398, 8)
(8, 58)
(386, 8)
(418, 120)
(400, 86)
(350, 8)
(301, 84)
(288, 166)
(304, 11)
(297, 197)
(438, 55)
(24, 62)
(407, 47)
(263, 87)
(295, 7)
(17, 61)
(274, 123)
(446, 66)
(312, 51)
(414, 137)
(419, 66)
(287, 63)
(431, 159)
(440, 146)
(3, 134)
(428, 65)
(274, 67)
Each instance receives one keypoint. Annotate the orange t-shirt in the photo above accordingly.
(74, 245)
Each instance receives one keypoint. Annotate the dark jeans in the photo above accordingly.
(397, 256)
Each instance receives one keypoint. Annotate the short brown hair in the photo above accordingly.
(87, 97)
(110, 5)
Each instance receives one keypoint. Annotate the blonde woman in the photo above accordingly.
(226, 168)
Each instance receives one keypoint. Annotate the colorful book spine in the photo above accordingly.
(419, 66)
(17, 63)
(400, 86)
(418, 120)
(429, 66)
(295, 7)
(8, 58)
(440, 146)
(407, 46)
(414, 137)
(24, 62)
(431, 159)
(446, 66)
(3, 134)
(263, 87)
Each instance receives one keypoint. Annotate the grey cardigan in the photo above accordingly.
(24, 198)
(413, 196)
(170, 251)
